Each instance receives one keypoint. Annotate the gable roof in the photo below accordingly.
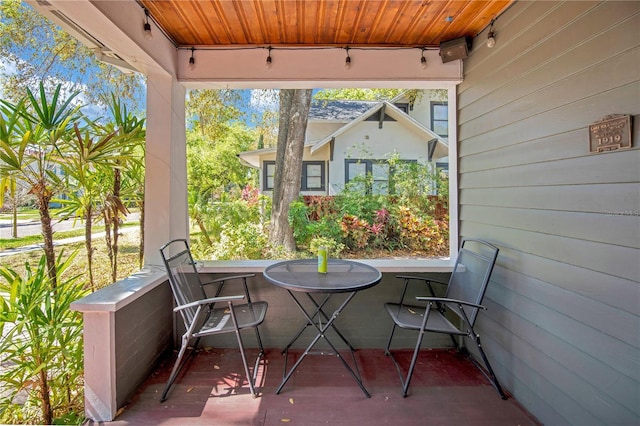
(252, 158)
(338, 110)
(441, 149)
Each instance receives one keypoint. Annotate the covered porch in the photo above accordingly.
(562, 328)
(447, 390)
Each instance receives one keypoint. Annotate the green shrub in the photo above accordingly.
(240, 242)
(334, 248)
(41, 345)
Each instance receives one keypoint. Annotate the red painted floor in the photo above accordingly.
(447, 389)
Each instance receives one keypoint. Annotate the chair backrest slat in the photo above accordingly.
(471, 275)
(183, 276)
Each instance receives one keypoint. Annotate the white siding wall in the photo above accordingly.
(563, 327)
(367, 141)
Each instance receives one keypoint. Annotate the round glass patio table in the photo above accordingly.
(300, 277)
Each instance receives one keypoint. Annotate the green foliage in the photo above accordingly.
(358, 94)
(41, 345)
(334, 248)
(212, 112)
(423, 232)
(240, 242)
(40, 50)
(213, 166)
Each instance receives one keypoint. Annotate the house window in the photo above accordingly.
(312, 176)
(268, 177)
(440, 118)
(380, 172)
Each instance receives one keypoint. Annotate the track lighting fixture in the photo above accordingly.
(423, 60)
(491, 40)
(269, 61)
(192, 61)
(147, 26)
(347, 61)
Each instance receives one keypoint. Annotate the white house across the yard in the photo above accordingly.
(349, 139)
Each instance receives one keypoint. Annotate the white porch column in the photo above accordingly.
(166, 209)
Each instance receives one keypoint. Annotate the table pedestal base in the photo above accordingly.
(321, 329)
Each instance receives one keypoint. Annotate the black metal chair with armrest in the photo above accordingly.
(462, 301)
(204, 316)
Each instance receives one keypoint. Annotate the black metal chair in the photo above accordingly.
(460, 304)
(203, 316)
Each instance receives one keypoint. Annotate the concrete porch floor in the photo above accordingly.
(446, 389)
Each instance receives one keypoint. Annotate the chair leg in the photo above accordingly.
(492, 375)
(416, 351)
(259, 358)
(386, 350)
(176, 368)
(245, 364)
(404, 380)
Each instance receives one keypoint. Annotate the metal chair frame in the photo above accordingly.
(204, 316)
(462, 300)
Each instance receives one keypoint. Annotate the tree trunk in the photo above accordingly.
(47, 236)
(294, 112)
(14, 227)
(107, 236)
(203, 229)
(141, 252)
(88, 246)
(116, 224)
(45, 398)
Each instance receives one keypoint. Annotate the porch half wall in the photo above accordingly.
(562, 328)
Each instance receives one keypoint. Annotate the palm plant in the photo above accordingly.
(92, 150)
(130, 134)
(34, 134)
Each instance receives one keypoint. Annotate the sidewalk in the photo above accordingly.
(34, 247)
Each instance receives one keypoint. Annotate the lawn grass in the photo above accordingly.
(127, 259)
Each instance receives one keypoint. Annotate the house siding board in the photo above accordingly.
(543, 72)
(610, 72)
(603, 228)
(562, 328)
(615, 167)
(530, 49)
(538, 369)
(616, 261)
(557, 120)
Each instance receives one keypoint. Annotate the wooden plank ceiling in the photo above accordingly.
(383, 23)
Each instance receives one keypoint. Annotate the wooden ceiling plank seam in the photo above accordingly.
(439, 19)
(240, 11)
(260, 22)
(396, 20)
(207, 25)
(224, 31)
(321, 9)
(340, 14)
(301, 27)
(184, 19)
(281, 20)
(326, 22)
(232, 22)
(310, 16)
(261, 18)
(386, 24)
(156, 11)
(360, 11)
(408, 35)
(376, 21)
